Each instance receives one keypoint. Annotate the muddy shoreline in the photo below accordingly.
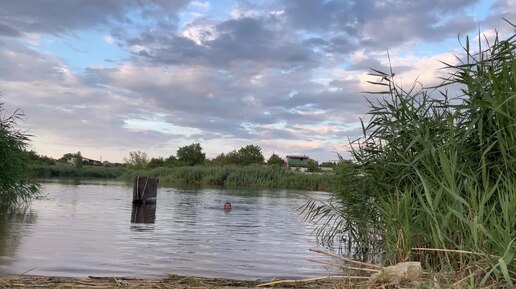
(172, 282)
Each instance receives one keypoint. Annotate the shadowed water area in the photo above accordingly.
(91, 228)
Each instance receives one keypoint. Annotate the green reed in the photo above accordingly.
(440, 172)
(15, 186)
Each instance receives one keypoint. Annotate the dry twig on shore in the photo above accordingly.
(312, 280)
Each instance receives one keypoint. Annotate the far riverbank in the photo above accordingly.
(269, 177)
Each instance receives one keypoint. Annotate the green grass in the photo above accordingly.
(239, 176)
(439, 171)
(69, 171)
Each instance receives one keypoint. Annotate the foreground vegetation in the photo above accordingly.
(15, 186)
(239, 176)
(436, 180)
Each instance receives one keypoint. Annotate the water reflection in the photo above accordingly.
(13, 224)
(143, 214)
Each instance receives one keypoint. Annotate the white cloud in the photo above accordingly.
(200, 33)
(200, 5)
(277, 12)
(109, 39)
(426, 70)
(287, 77)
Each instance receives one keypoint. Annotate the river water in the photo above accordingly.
(82, 228)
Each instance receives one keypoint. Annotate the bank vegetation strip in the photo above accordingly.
(273, 177)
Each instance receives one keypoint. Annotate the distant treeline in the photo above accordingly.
(190, 155)
(243, 167)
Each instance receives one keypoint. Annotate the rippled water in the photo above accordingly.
(91, 228)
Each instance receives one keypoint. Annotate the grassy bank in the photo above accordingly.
(68, 171)
(436, 176)
(239, 176)
(230, 176)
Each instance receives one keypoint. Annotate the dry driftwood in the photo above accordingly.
(374, 266)
(401, 273)
(342, 266)
(311, 280)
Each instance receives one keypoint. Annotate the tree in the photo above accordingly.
(275, 160)
(136, 160)
(40, 159)
(77, 161)
(328, 164)
(65, 157)
(14, 183)
(171, 161)
(250, 154)
(156, 163)
(220, 160)
(191, 155)
(313, 166)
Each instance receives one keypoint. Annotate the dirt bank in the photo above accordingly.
(172, 282)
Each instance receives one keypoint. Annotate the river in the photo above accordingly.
(82, 228)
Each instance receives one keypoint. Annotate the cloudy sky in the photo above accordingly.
(108, 77)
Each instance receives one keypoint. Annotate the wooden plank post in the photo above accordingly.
(145, 190)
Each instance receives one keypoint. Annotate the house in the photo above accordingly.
(85, 161)
(297, 162)
(91, 162)
(71, 160)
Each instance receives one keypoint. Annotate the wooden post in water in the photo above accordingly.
(145, 190)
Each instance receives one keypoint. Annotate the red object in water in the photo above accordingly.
(227, 206)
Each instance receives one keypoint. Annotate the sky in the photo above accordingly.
(109, 77)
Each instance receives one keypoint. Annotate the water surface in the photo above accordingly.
(91, 228)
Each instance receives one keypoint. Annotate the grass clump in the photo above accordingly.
(439, 172)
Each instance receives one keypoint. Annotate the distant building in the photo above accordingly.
(71, 160)
(85, 161)
(91, 162)
(297, 162)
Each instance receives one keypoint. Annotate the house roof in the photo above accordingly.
(297, 157)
